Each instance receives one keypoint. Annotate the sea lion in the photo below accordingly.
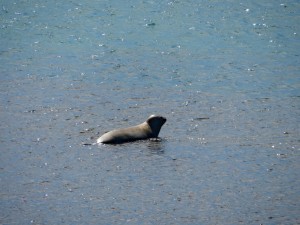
(149, 129)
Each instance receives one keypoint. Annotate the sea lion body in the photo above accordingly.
(149, 129)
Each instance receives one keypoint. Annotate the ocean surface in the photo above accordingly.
(225, 74)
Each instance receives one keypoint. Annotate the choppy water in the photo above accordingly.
(225, 74)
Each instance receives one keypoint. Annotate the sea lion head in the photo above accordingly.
(156, 122)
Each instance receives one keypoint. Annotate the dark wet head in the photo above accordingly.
(156, 122)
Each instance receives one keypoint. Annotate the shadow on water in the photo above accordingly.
(156, 146)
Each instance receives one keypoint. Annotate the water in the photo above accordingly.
(225, 74)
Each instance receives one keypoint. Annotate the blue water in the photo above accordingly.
(224, 74)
